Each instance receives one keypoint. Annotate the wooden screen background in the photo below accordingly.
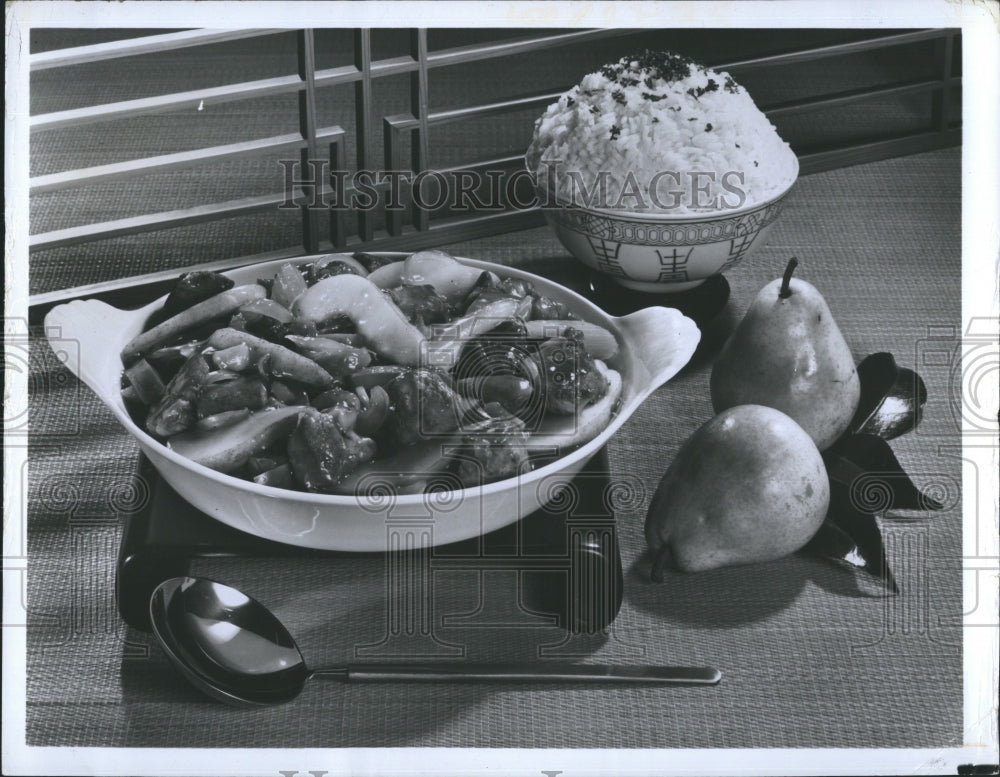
(407, 137)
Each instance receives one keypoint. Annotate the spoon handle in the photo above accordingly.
(556, 672)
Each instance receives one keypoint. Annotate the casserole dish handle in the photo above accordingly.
(87, 336)
(662, 340)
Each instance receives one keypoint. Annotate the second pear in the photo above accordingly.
(787, 353)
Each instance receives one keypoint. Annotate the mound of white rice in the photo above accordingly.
(661, 133)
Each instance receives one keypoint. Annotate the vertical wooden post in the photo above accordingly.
(393, 160)
(944, 51)
(363, 116)
(307, 127)
(419, 107)
(338, 162)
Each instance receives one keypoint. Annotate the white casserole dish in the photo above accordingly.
(654, 344)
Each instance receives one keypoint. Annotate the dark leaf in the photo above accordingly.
(891, 398)
(194, 287)
(851, 537)
(875, 481)
(866, 478)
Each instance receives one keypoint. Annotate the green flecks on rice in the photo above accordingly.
(656, 112)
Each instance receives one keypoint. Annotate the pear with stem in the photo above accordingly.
(789, 354)
(748, 486)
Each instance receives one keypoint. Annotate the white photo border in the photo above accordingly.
(979, 21)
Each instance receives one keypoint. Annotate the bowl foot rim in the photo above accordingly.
(658, 288)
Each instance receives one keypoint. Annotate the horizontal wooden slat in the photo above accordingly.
(492, 163)
(166, 102)
(334, 76)
(492, 109)
(855, 95)
(394, 66)
(474, 53)
(123, 170)
(105, 230)
(158, 164)
(213, 95)
(816, 161)
(834, 50)
(777, 109)
(148, 44)
(349, 74)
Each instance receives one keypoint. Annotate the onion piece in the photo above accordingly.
(388, 276)
(288, 285)
(146, 382)
(384, 326)
(279, 477)
(220, 376)
(269, 308)
(598, 341)
(235, 358)
(445, 345)
(229, 448)
(220, 420)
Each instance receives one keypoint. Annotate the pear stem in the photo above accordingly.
(786, 292)
(660, 560)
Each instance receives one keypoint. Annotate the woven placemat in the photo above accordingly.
(812, 656)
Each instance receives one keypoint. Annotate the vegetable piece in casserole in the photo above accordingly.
(497, 452)
(146, 382)
(248, 393)
(597, 340)
(423, 406)
(176, 411)
(288, 285)
(192, 288)
(230, 448)
(220, 305)
(372, 262)
(335, 264)
(282, 362)
(420, 304)
(449, 277)
(321, 455)
(384, 326)
(571, 379)
(335, 357)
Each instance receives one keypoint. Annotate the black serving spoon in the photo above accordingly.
(235, 650)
